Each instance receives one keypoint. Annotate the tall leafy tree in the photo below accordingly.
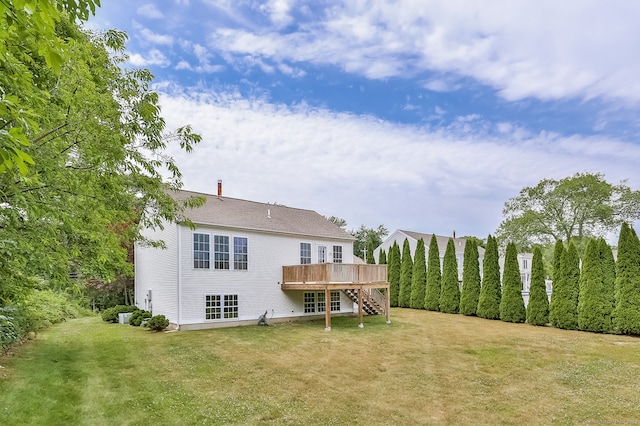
(594, 306)
(538, 306)
(419, 276)
(450, 292)
(563, 311)
(382, 257)
(512, 305)
(98, 144)
(470, 279)
(583, 205)
(626, 315)
(490, 292)
(432, 296)
(367, 237)
(393, 271)
(406, 271)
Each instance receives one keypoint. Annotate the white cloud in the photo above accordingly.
(365, 169)
(278, 11)
(155, 38)
(150, 11)
(153, 57)
(544, 49)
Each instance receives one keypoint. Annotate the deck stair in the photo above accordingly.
(373, 300)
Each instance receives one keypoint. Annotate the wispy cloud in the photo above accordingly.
(149, 11)
(153, 57)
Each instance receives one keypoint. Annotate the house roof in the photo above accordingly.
(442, 240)
(252, 215)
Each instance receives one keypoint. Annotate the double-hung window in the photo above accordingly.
(218, 306)
(305, 253)
(201, 251)
(220, 252)
(337, 254)
(315, 302)
(240, 253)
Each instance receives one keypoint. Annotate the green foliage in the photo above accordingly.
(511, 304)
(583, 205)
(382, 257)
(490, 292)
(626, 315)
(406, 271)
(366, 238)
(419, 277)
(432, 296)
(138, 316)
(371, 260)
(470, 278)
(9, 329)
(558, 250)
(98, 144)
(158, 323)
(111, 314)
(450, 292)
(393, 272)
(538, 306)
(594, 304)
(563, 310)
(44, 307)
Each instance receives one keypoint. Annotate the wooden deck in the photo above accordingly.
(363, 280)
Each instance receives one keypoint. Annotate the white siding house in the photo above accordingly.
(400, 235)
(229, 269)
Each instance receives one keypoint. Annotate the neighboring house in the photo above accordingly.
(232, 268)
(399, 236)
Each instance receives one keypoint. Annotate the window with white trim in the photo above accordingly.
(201, 251)
(220, 252)
(322, 254)
(337, 254)
(305, 253)
(525, 264)
(218, 306)
(240, 253)
(316, 302)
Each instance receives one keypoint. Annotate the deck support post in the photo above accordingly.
(327, 306)
(360, 324)
(388, 305)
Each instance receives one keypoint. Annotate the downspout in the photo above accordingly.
(179, 289)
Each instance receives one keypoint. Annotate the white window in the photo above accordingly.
(322, 254)
(221, 252)
(218, 306)
(316, 303)
(240, 253)
(337, 254)
(201, 251)
(525, 264)
(305, 253)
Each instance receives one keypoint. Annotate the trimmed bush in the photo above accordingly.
(158, 323)
(626, 315)
(138, 316)
(512, 305)
(393, 272)
(450, 292)
(470, 279)
(538, 306)
(563, 311)
(406, 271)
(491, 292)
(432, 296)
(111, 314)
(419, 277)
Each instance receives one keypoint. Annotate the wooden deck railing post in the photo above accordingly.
(388, 305)
(327, 309)
(360, 324)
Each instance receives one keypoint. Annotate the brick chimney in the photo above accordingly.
(219, 188)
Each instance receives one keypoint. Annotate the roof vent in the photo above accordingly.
(269, 213)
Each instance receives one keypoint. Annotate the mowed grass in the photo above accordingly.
(424, 368)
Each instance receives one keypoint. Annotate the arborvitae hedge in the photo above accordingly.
(406, 270)
(538, 306)
(419, 277)
(557, 257)
(450, 292)
(432, 296)
(382, 257)
(626, 315)
(470, 279)
(564, 300)
(490, 292)
(393, 273)
(556, 286)
(371, 259)
(608, 265)
(594, 310)
(512, 305)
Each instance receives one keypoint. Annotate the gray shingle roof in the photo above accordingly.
(442, 241)
(251, 215)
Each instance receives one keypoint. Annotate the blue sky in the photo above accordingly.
(419, 115)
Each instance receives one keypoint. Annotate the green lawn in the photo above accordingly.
(424, 368)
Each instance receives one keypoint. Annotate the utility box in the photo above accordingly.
(124, 318)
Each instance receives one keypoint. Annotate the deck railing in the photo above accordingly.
(334, 273)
